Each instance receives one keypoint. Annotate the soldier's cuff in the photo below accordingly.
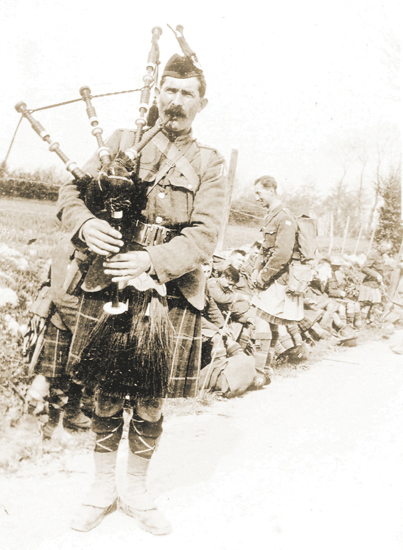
(267, 273)
(77, 235)
(154, 269)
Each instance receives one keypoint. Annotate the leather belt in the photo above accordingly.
(151, 234)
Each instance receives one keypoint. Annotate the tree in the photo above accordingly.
(344, 204)
(305, 199)
(390, 213)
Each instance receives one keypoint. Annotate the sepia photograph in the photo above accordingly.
(201, 275)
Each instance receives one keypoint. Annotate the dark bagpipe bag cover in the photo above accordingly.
(126, 354)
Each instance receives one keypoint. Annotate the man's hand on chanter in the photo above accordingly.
(126, 266)
(100, 237)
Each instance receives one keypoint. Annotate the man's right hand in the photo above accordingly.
(226, 332)
(100, 237)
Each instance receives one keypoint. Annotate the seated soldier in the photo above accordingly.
(252, 333)
(229, 301)
(219, 346)
(223, 291)
(372, 289)
(244, 285)
(212, 324)
(235, 259)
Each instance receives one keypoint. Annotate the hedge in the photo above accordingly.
(26, 189)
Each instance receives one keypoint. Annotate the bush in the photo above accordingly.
(27, 238)
(28, 189)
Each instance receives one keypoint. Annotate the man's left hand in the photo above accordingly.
(128, 265)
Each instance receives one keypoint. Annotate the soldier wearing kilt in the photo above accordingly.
(372, 286)
(273, 302)
(175, 233)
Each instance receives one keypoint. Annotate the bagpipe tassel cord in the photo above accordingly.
(130, 354)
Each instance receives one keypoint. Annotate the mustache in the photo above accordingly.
(175, 111)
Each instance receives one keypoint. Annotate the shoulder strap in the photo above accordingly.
(175, 158)
(187, 169)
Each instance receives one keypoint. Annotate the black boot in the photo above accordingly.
(74, 418)
(52, 423)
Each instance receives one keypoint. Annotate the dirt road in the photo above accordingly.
(314, 461)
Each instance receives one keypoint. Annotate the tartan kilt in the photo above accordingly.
(184, 370)
(311, 316)
(271, 318)
(55, 352)
(370, 295)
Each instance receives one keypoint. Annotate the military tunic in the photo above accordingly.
(279, 237)
(191, 203)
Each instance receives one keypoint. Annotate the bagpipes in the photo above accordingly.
(129, 349)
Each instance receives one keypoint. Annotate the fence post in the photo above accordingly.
(331, 234)
(358, 240)
(345, 235)
(372, 238)
(228, 196)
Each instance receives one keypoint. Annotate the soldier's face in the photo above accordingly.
(180, 100)
(264, 195)
(236, 261)
(225, 283)
(207, 270)
(385, 246)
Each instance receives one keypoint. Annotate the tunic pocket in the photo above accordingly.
(178, 181)
(269, 238)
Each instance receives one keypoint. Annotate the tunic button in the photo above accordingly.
(158, 219)
(161, 195)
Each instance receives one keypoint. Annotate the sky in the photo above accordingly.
(293, 86)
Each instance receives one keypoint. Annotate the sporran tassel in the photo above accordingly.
(130, 354)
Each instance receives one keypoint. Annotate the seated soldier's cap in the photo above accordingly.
(338, 261)
(219, 255)
(179, 66)
(325, 259)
